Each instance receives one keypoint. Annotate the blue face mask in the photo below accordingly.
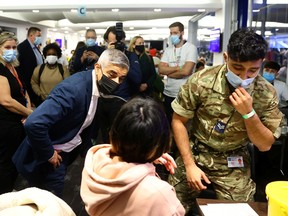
(90, 42)
(236, 81)
(175, 39)
(37, 41)
(9, 55)
(270, 77)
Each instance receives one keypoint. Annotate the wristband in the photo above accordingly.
(249, 115)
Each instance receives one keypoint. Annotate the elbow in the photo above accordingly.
(265, 148)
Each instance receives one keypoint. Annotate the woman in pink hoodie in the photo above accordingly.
(120, 179)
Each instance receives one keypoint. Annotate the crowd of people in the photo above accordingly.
(110, 105)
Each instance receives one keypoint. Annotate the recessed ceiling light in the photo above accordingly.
(35, 11)
(256, 11)
(87, 27)
(201, 10)
(74, 10)
(131, 27)
(157, 10)
(115, 10)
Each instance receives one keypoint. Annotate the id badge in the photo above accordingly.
(220, 127)
(235, 161)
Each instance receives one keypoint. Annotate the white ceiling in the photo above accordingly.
(137, 18)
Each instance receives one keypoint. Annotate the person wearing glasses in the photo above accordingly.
(88, 55)
(60, 128)
(14, 109)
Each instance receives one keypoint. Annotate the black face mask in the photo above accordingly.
(106, 85)
(140, 48)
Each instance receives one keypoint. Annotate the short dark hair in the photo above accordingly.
(199, 64)
(140, 132)
(179, 25)
(113, 30)
(53, 46)
(33, 30)
(245, 45)
(272, 65)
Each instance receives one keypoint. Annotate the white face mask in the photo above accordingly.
(51, 59)
(236, 81)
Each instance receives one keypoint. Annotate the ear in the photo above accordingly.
(225, 56)
(97, 70)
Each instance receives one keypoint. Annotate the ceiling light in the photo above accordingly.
(157, 10)
(1, 11)
(131, 28)
(35, 11)
(87, 27)
(66, 32)
(256, 11)
(74, 10)
(201, 10)
(54, 29)
(115, 10)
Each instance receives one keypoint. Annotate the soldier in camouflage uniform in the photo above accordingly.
(229, 106)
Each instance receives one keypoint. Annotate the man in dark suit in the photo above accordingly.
(29, 57)
(88, 55)
(60, 128)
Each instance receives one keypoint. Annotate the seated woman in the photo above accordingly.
(120, 179)
(45, 77)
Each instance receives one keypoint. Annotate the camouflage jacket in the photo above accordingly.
(204, 99)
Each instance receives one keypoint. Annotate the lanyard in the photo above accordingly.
(177, 58)
(13, 71)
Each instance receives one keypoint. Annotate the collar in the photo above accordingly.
(95, 91)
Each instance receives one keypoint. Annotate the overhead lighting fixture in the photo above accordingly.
(1, 11)
(87, 27)
(157, 10)
(66, 32)
(35, 11)
(131, 28)
(115, 10)
(201, 10)
(54, 29)
(74, 10)
(256, 11)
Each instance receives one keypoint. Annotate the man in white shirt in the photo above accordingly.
(177, 64)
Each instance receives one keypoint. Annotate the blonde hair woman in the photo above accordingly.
(146, 65)
(14, 108)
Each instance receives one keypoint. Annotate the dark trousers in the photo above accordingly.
(12, 134)
(107, 110)
(52, 179)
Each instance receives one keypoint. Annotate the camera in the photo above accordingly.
(119, 36)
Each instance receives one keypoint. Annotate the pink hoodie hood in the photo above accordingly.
(104, 180)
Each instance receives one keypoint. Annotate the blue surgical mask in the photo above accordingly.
(9, 55)
(90, 42)
(270, 77)
(175, 39)
(236, 81)
(37, 41)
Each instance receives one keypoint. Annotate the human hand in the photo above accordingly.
(195, 176)
(55, 160)
(84, 55)
(92, 55)
(241, 101)
(143, 87)
(168, 162)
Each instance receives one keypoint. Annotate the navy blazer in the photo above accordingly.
(56, 121)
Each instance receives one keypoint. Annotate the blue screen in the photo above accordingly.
(215, 42)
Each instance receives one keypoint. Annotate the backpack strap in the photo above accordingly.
(60, 67)
(40, 71)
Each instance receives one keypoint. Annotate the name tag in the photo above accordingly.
(235, 161)
(220, 127)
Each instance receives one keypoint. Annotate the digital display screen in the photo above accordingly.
(215, 41)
